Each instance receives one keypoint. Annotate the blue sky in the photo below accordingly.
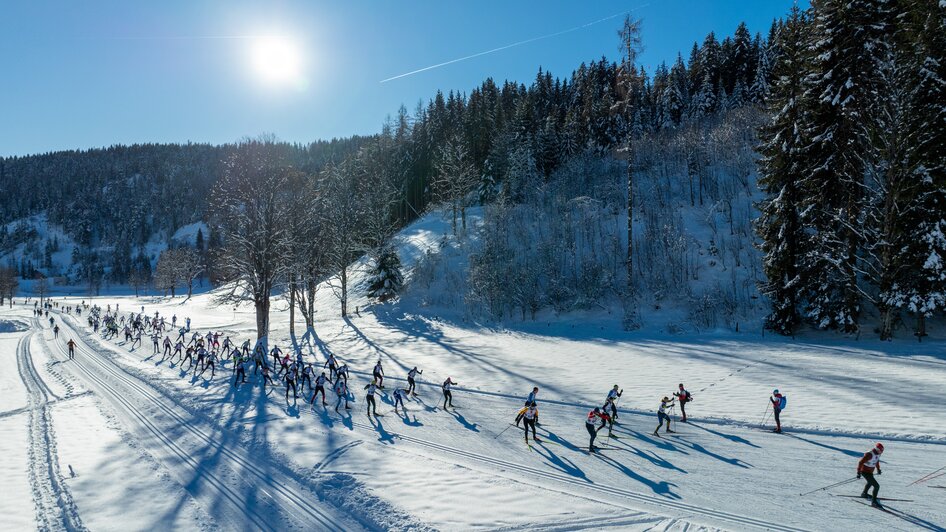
(100, 72)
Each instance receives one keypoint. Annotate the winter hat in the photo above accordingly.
(879, 447)
(775, 391)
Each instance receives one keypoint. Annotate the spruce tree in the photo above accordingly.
(781, 167)
(845, 47)
(386, 280)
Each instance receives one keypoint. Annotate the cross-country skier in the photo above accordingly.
(372, 387)
(240, 371)
(378, 374)
(529, 400)
(447, 395)
(341, 390)
(201, 359)
(211, 362)
(319, 387)
(399, 394)
(593, 416)
(411, 386)
(72, 348)
(662, 415)
(331, 364)
(307, 374)
(290, 384)
(167, 346)
(529, 418)
(683, 397)
(610, 401)
(522, 412)
(778, 403)
(865, 469)
(56, 331)
(341, 372)
(276, 353)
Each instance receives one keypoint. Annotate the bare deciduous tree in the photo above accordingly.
(251, 203)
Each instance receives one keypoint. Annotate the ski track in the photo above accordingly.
(722, 422)
(533, 476)
(637, 497)
(279, 491)
(55, 508)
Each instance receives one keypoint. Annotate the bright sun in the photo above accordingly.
(277, 61)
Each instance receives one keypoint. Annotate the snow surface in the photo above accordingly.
(468, 468)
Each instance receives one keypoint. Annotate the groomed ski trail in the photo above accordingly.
(647, 501)
(55, 508)
(195, 457)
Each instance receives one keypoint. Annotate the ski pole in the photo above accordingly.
(504, 430)
(765, 415)
(931, 476)
(848, 481)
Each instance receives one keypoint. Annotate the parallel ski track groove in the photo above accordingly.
(284, 491)
(640, 497)
(636, 496)
(52, 497)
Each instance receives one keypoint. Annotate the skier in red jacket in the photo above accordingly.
(865, 468)
(776, 401)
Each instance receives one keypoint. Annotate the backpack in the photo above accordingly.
(782, 403)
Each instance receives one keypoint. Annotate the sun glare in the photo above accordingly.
(277, 61)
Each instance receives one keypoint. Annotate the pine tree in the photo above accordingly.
(781, 167)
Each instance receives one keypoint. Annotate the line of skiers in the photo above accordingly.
(293, 371)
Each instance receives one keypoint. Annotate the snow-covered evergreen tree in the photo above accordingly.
(846, 44)
(386, 279)
(781, 167)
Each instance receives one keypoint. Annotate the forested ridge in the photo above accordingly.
(841, 105)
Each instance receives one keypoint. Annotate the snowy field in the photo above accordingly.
(121, 439)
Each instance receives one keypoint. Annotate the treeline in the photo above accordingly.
(854, 166)
(112, 201)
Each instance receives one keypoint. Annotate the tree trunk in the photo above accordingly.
(190, 288)
(262, 318)
(292, 306)
(344, 278)
(310, 317)
(630, 222)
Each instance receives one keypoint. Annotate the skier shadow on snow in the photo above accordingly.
(650, 456)
(462, 420)
(562, 464)
(383, 435)
(730, 437)
(662, 488)
(324, 416)
(848, 452)
(411, 422)
(427, 408)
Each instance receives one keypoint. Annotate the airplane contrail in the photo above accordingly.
(508, 46)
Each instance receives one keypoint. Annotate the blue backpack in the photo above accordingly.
(782, 403)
